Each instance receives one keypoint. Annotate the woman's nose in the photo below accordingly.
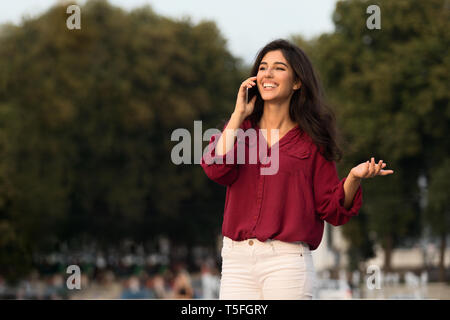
(269, 72)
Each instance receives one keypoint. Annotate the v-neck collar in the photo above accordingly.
(284, 139)
(295, 142)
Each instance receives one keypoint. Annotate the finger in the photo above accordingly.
(366, 175)
(378, 167)
(386, 172)
(247, 83)
(372, 166)
(375, 167)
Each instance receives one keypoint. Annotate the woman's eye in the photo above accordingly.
(262, 68)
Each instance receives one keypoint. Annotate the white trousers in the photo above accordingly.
(272, 270)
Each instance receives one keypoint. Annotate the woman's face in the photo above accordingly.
(275, 77)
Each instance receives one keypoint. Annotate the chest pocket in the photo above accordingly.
(295, 160)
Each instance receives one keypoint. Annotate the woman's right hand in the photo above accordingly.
(242, 109)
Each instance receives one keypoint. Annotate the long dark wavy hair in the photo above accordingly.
(307, 106)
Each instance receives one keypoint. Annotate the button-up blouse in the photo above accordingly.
(290, 205)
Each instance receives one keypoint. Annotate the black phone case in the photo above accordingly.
(251, 93)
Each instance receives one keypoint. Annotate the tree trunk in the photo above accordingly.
(388, 243)
(442, 257)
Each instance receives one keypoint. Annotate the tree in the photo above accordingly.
(390, 91)
(437, 211)
(88, 116)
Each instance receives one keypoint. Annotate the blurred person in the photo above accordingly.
(3, 287)
(272, 221)
(182, 287)
(149, 286)
(37, 284)
(110, 285)
(159, 287)
(56, 289)
(133, 290)
(210, 282)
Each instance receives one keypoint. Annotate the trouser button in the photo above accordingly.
(250, 242)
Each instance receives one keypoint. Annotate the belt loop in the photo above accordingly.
(271, 241)
(306, 248)
(229, 240)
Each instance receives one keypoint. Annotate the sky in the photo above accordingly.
(247, 25)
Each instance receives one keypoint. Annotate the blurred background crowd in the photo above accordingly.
(116, 275)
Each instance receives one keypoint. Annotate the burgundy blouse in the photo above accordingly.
(290, 205)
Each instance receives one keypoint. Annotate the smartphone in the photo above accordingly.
(246, 95)
(250, 93)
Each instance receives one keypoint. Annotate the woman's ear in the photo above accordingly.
(297, 85)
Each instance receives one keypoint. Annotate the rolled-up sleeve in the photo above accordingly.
(218, 168)
(329, 195)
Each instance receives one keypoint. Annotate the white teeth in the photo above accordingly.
(265, 85)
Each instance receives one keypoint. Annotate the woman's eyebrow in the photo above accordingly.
(275, 63)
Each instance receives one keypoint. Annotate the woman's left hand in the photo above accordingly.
(370, 169)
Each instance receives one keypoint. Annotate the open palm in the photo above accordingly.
(370, 169)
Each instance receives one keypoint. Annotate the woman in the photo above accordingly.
(273, 221)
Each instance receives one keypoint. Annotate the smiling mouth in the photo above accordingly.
(269, 86)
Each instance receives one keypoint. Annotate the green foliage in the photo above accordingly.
(15, 254)
(437, 212)
(390, 90)
(87, 117)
